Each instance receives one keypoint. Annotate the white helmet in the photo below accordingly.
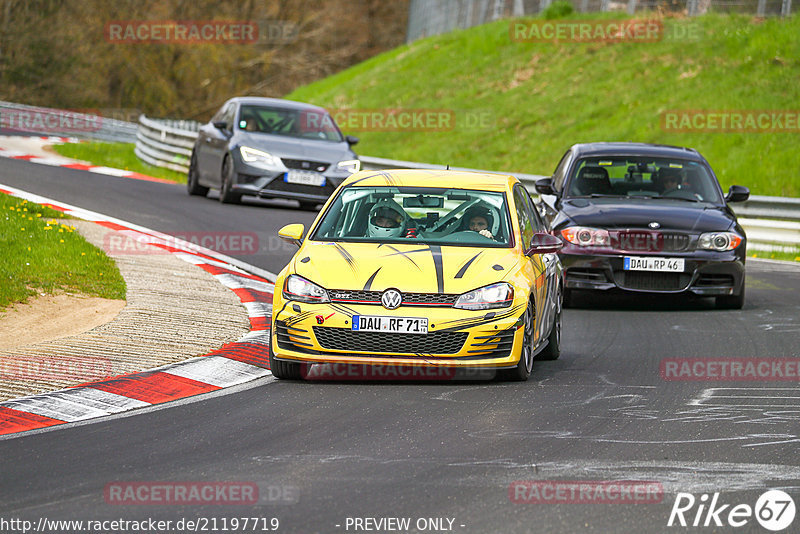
(386, 219)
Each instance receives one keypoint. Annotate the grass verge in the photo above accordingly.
(117, 156)
(42, 255)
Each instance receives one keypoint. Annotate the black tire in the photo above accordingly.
(309, 206)
(193, 179)
(553, 349)
(523, 369)
(226, 196)
(731, 302)
(281, 369)
(569, 298)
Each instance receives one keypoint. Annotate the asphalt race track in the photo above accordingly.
(324, 452)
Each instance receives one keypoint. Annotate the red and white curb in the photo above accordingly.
(235, 363)
(66, 163)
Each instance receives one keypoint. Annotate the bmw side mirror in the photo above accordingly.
(292, 233)
(352, 140)
(543, 243)
(737, 193)
(544, 186)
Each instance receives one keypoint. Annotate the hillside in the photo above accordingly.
(517, 106)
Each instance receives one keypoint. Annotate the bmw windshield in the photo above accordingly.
(439, 216)
(643, 177)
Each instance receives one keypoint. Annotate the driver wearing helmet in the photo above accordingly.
(387, 219)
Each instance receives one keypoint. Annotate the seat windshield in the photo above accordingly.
(458, 217)
(640, 177)
(302, 123)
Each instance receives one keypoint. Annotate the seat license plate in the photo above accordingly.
(671, 265)
(397, 325)
(304, 178)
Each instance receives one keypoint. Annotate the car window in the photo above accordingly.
(229, 114)
(525, 216)
(458, 217)
(643, 177)
(220, 113)
(561, 171)
(290, 122)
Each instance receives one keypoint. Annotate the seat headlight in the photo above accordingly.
(352, 166)
(298, 288)
(499, 295)
(259, 158)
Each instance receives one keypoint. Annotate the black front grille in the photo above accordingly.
(342, 339)
(589, 275)
(292, 338)
(494, 345)
(306, 165)
(444, 300)
(645, 241)
(652, 281)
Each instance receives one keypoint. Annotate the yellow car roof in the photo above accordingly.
(432, 178)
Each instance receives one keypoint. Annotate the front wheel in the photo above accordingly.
(281, 369)
(523, 369)
(731, 302)
(553, 349)
(226, 194)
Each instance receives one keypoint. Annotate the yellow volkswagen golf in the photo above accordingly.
(420, 269)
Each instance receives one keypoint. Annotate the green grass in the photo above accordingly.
(117, 156)
(779, 255)
(40, 254)
(542, 97)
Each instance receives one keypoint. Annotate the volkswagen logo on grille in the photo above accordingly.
(391, 299)
(654, 225)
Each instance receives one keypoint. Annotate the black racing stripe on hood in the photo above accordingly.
(368, 285)
(464, 267)
(405, 254)
(344, 310)
(367, 177)
(346, 255)
(436, 252)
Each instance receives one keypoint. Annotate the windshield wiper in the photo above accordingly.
(680, 198)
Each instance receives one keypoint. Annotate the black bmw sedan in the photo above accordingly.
(271, 148)
(645, 218)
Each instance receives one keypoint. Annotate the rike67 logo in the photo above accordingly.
(774, 510)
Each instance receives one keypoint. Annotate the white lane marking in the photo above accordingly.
(110, 171)
(56, 407)
(256, 336)
(218, 371)
(258, 309)
(744, 397)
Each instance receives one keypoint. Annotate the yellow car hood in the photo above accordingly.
(407, 267)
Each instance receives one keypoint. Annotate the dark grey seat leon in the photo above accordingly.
(271, 148)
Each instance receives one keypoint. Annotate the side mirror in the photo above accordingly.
(544, 186)
(292, 233)
(737, 193)
(544, 244)
(220, 125)
(351, 140)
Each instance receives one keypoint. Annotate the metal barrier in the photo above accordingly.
(20, 118)
(772, 223)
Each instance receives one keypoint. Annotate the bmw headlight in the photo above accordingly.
(499, 295)
(352, 166)
(719, 241)
(298, 288)
(584, 236)
(259, 158)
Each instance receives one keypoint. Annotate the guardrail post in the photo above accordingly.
(786, 8)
